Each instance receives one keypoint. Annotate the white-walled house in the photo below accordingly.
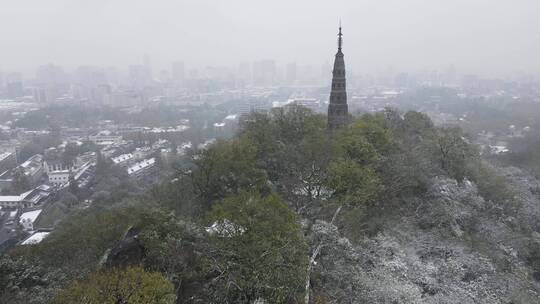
(59, 173)
(27, 199)
(27, 219)
(141, 168)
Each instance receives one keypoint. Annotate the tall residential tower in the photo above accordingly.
(338, 110)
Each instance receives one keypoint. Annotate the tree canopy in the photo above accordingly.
(227, 228)
(132, 285)
(259, 252)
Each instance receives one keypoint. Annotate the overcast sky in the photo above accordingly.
(480, 36)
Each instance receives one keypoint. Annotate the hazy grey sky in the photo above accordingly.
(484, 36)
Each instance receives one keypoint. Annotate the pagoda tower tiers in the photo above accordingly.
(338, 110)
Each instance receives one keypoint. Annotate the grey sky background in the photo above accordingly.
(490, 37)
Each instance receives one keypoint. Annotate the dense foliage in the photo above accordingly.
(227, 228)
(132, 285)
(258, 250)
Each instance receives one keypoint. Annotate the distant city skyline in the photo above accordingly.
(493, 38)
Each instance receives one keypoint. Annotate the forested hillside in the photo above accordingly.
(389, 210)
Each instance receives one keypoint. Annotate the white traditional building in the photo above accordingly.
(105, 138)
(28, 199)
(141, 168)
(31, 168)
(27, 219)
(60, 173)
(123, 160)
(142, 152)
(35, 238)
(12, 201)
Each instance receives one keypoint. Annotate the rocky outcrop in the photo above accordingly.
(128, 251)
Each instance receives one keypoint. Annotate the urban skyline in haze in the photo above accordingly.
(491, 38)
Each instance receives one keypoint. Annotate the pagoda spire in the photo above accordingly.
(340, 37)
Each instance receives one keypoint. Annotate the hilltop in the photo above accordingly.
(390, 209)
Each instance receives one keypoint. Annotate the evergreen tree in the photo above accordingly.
(132, 285)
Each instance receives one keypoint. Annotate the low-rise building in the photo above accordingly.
(124, 159)
(311, 103)
(35, 238)
(183, 148)
(58, 172)
(27, 219)
(105, 138)
(28, 199)
(7, 161)
(32, 169)
(143, 152)
(11, 201)
(108, 151)
(205, 145)
(142, 168)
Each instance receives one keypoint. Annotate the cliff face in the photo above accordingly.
(454, 247)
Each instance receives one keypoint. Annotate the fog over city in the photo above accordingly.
(270, 151)
(492, 38)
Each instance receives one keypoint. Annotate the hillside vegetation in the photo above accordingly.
(389, 210)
